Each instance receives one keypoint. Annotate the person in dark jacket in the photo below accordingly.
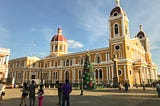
(66, 90)
(32, 88)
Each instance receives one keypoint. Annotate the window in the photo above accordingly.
(81, 61)
(70, 62)
(56, 47)
(55, 64)
(96, 74)
(98, 59)
(60, 48)
(119, 72)
(130, 72)
(115, 14)
(67, 62)
(67, 75)
(100, 74)
(115, 29)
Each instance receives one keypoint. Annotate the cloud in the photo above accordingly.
(92, 19)
(74, 44)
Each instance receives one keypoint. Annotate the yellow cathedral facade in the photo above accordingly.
(134, 62)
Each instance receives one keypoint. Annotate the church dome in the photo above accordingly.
(117, 10)
(140, 34)
(59, 36)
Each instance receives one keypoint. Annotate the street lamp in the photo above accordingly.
(81, 85)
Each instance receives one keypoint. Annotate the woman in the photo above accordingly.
(40, 95)
(24, 94)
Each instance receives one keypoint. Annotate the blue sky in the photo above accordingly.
(27, 26)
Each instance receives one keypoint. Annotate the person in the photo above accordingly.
(32, 88)
(2, 93)
(143, 85)
(59, 88)
(158, 88)
(126, 86)
(40, 95)
(66, 90)
(24, 94)
(120, 87)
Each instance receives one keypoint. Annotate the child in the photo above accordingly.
(40, 95)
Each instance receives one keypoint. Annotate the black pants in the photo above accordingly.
(65, 97)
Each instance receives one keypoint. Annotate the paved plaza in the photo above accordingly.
(100, 97)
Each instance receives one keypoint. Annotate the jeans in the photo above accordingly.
(65, 97)
(32, 101)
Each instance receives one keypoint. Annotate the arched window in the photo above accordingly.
(115, 14)
(56, 48)
(80, 75)
(119, 72)
(55, 64)
(81, 61)
(67, 62)
(98, 59)
(67, 75)
(96, 74)
(100, 74)
(115, 29)
(70, 62)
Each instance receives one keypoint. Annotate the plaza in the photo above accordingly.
(101, 96)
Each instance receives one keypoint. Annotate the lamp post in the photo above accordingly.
(81, 85)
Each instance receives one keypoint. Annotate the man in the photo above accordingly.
(59, 88)
(66, 90)
(32, 88)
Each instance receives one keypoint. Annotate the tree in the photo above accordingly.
(89, 82)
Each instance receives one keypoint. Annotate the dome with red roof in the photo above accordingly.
(59, 36)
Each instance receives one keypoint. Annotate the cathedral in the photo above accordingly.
(132, 55)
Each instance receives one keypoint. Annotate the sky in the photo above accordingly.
(27, 26)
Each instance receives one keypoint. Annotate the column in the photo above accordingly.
(60, 75)
(125, 72)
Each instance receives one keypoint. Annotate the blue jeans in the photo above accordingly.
(65, 97)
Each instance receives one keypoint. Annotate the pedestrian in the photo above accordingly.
(32, 88)
(24, 94)
(126, 86)
(40, 95)
(158, 88)
(143, 85)
(2, 92)
(66, 90)
(59, 88)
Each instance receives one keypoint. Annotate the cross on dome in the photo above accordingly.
(117, 2)
(140, 27)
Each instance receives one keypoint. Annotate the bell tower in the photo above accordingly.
(119, 30)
